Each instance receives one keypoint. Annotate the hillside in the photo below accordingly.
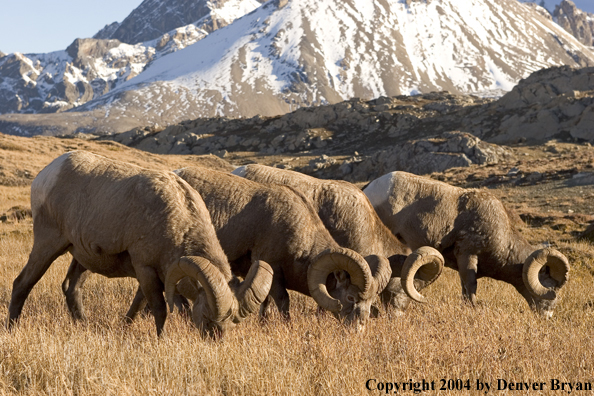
(280, 57)
(359, 140)
(549, 185)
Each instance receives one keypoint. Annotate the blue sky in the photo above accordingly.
(35, 26)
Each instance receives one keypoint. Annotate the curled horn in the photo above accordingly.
(381, 272)
(218, 294)
(337, 260)
(559, 272)
(254, 289)
(425, 262)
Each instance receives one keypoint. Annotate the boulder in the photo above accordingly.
(448, 150)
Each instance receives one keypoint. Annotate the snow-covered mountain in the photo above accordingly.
(293, 53)
(89, 68)
(154, 18)
(310, 52)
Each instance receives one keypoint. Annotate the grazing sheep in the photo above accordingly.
(474, 232)
(118, 220)
(280, 226)
(352, 221)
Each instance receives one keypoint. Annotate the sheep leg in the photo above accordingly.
(280, 296)
(138, 304)
(467, 268)
(45, 250)
(75, 278)
(152, 288)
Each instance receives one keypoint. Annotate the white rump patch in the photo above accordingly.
(45, 181)
(380, 189)
(239, 171)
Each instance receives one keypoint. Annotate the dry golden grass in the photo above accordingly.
(47, 353)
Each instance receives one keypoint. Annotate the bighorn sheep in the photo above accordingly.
(118, 220)
(474, 232)
(279, 225)
(352, 221)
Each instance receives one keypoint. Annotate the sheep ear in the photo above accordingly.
(341, 277)
(188, 289)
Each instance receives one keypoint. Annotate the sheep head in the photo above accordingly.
(218, 305)
(544, 272)
(354, 282)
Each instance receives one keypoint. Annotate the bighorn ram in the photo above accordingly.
(474, 232)
(349, 216)
(117, 219)
(279, 225)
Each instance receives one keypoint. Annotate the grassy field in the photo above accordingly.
(501, 339)
(47, 353)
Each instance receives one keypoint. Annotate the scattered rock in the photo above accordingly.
(16, 214)
(581, 179)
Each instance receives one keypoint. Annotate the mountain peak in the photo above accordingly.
(313, 52)
(575, 21)
(153, 18)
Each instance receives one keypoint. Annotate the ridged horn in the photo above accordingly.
(381, 272)
(252, 292)
(337, 260)
(218, 294)
(425, 262)
(559, 272)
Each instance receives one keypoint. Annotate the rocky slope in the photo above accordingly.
(154, 18)
(358, 140)
(575, 21)
(284, 55)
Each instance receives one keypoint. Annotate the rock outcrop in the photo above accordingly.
(575, 21)
(551, 103)
(448, 150)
